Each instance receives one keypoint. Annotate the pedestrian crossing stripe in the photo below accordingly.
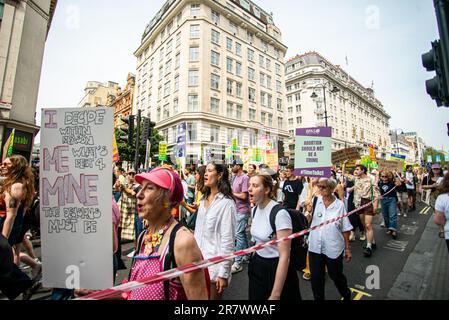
(359, 294)
(425, 210)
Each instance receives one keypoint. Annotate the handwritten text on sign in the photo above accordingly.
(76, 210)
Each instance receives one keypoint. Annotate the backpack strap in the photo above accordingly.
(136, 252)
(314, 202)
(169, 261)
(273, 214)
(254, 211)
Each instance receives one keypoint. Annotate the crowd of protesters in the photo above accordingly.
(177, 218)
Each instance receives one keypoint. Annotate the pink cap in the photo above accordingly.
(165, 179)
(436, 166)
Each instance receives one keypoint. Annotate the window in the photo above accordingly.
(194, 10)
(178, 39)
(297, 96)
(252, 114)
(298, 120)
(230, 135)
(265, 45)
(263, 80)
(194, 31)
(252, 138)
(290, 111)
(238, 69)
(161, 72)
(177, 61)
(269, 82)
(270, 99)
(289, 99)
(168, 67)
(251, 55)
(215, 58)
(214, 105)
(233, 27)
(230, 110)
(263, 115)
(252, 94)
(215, 17)
(249, 36)
(263, 99)
(194, 54)
(251, 74)
(215, 81)
(167, 89)
(193, 78)
(238, 89)
(270, 120)
(169, 46)
(166, 114)
(193, 102)
(268, 64)
(229, 64)
(159, 114)
(238, 113)
(215, 38)
(278, 69)
(278, 86)
(261, 61)
(280, 122)
(290, 122)
(279, 104)
(238, 49)
(159, 93)
(229, 84)
(175, 106)
(214, 133)
(191, 132)
(229, 44)
(298, 108)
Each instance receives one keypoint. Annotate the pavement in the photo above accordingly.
(413, 267)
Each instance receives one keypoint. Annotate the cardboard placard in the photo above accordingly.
(345, 154)
(390, 165)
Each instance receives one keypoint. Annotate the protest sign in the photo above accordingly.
(372, 152)
(162, 151)
(343, 155)
(390, 165)
(75, 194)
(313, 152)
(181, 140)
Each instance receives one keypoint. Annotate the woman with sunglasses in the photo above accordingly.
(431, 182)
(215, 225)
(164, 244)
(387, 184)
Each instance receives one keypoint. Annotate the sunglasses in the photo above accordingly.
(322, 187)
(384, 177)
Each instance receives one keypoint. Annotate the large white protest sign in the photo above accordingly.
(75, 197)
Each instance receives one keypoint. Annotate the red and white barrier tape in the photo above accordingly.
(174, 273)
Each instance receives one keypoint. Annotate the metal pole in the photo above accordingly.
(397, 143)
(325, 108)
(136, 155)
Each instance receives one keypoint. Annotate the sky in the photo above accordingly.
(379, 42)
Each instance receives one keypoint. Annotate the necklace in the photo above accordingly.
(153, 240)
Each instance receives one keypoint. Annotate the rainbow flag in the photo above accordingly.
(115, 154)
(8, 147)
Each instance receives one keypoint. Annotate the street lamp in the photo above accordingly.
(335, 89)
(396, 133)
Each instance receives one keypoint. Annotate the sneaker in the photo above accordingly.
(246, 259)
(399, 214)
(306, 276)
(236, 267)
(362, 236)
(352, 236)
(367, 252)
(405, 215)
(394, 235)
(36, 273)
(382, 225)
(389, 232)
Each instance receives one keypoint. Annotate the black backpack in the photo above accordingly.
(299, 247)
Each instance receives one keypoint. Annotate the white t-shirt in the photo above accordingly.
(442, 205)
(261, 230)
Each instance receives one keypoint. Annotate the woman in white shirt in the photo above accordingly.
(328, 244)
(215, 225)
(271, 275)
(442, 208)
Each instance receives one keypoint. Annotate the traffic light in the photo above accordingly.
(437, 59)
(147, 127)
(128, 129)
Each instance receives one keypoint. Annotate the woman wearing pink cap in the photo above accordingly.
(164, 244)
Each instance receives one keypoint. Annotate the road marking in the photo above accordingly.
(425, 210)
(408, 230)
(396, 245)
(358, 293)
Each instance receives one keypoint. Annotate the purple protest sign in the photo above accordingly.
(313, 152)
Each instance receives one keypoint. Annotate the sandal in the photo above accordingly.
(306, 276)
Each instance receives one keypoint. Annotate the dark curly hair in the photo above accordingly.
(224, 185)
(20, 172)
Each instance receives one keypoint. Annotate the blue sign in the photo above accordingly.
(399, 156)
(438, 158)
(181, 140)
(446, 158)
(429, 158)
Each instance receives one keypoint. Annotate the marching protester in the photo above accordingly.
(252, 170)
(387, 184)
(271, 275)
(402, 195)
(292, 189)
(431, 182)
(442, 208)
(199, 190)
(240, 193)
(190, 180)
(215, 225)
(119, 184)
(410, 182)
(353, 218)
(328, 245)
(128, 208)
(365, 192)
(165, 244)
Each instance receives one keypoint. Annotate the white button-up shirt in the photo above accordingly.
(329, 240)
(215, 233)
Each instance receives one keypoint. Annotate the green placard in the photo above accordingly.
(162, 151)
